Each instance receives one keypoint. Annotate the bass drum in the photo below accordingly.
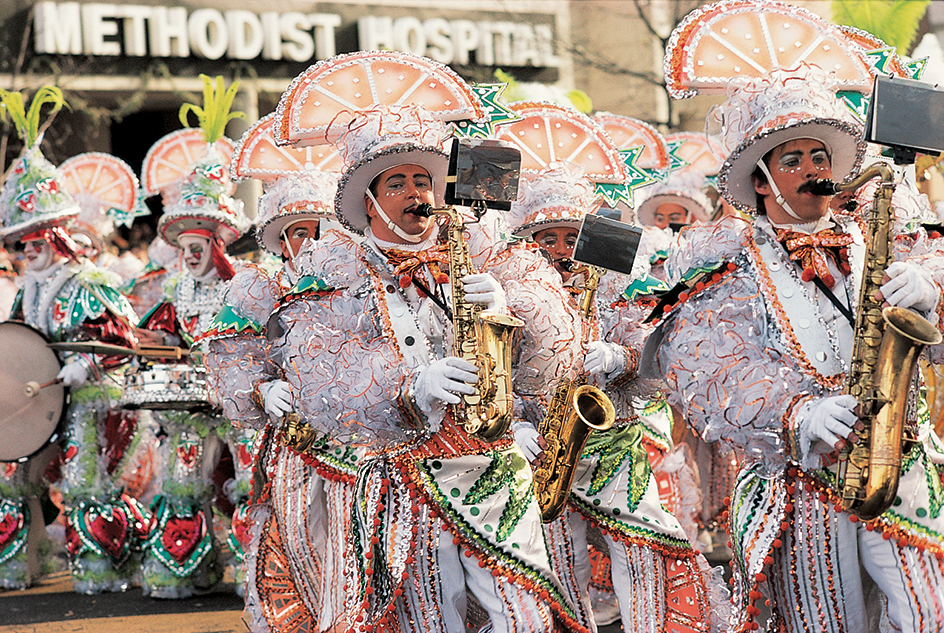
(32, 404)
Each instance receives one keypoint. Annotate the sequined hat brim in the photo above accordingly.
(269, 233)
(171, 227)
(528, 230)
(11, 234)
(647, 208)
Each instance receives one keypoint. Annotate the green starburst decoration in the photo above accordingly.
(676, 161)
(881, 58)
(636, 177)
(644, 287)
(657, 175)
(915, 68)
(498, 113)
(856, 102)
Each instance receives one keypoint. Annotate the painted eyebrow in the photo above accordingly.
(400, 176)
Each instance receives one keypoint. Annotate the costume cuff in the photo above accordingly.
(628, 372)
(256, 395)
(793, 419)
(413, 417)
(935, 315)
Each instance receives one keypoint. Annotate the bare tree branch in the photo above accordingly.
(648, 23)
(612, 67)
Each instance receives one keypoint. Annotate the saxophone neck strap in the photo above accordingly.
(432, 297)
(843, 309)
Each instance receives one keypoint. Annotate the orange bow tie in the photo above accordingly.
(407, 264)
(812, 252)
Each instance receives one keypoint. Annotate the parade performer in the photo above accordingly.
(283, 532)
(67, 299)
(614, 490)
(675, 473)
(671, 206)
(439, 511)
(167, 164)
(677, 202)
(756, 357)
(107, 192)
(182, 555)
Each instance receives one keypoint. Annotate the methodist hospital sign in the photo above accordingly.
(70, 28)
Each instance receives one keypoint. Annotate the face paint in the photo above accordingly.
(792, 163)
(39, 255)
(196, 254)
(559, 243)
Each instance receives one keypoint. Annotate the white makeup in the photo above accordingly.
(39, 255)
(196, 254)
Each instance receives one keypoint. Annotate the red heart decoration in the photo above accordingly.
(187, 455)
(241, 526)
(9, 527)
(244, 455)
(182, 535)
(110, 532)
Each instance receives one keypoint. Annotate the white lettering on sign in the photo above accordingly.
(452, 41)
(98, 29)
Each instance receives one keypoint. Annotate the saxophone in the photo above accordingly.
(574, 410)
(481, 337)
(885, 354)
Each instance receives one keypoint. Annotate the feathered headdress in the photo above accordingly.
(205, 202)
(32, 199)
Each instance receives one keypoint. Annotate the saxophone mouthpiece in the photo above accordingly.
(423, 210)
(567, 264)
(823, 187)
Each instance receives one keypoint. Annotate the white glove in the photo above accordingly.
(277, 398)
(527, 438)
(604, 358)
(440, 381)
(910, 286)
(485, 289)
(74, 374)
(826, 424)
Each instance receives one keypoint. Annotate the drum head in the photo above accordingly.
(27, 424)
